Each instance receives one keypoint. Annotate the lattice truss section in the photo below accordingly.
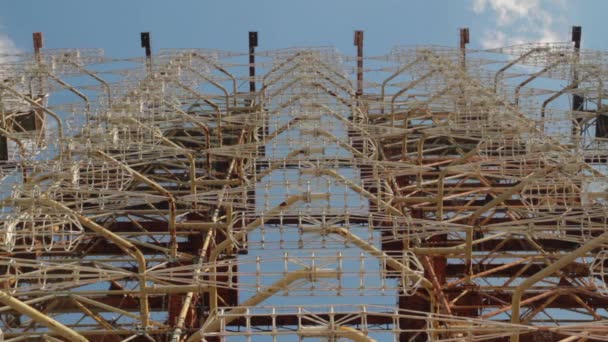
(456, 196)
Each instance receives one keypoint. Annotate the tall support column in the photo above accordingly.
(37, 114)
(578, 102)
(464, 40)
(359, 45)
(3, 148)
(145, 43)
(253, 43)
(38, 42)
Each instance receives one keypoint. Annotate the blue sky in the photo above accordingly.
(114, 25)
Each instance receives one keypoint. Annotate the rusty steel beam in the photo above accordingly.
(253, 43)
(359, 44)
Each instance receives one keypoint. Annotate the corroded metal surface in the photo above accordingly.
(423, 197)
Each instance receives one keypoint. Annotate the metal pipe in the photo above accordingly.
(220, 69)
(214, 83)
(571, 86)
(375, 252)
(93, 75)
(214, 323)
(125, 245)
(562, 262)
(534, 76)
(179, 326)
(395, 74)
(43, 108)
(573, 338)
(87, 103)
(241, 234)
(209, 102)
(408, 87)
(17, 141)
(266, 83)
(157, 187)
(340, 332)
(201, 125)
(513, 62)
(40, 317)
(274, 69)
(362, 191)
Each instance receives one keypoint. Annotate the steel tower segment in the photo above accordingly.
(433, 193)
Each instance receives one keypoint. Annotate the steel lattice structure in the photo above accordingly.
(430, 194)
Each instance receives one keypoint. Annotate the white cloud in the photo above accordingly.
(520, 21)
(7, 50)
(7, 47)
(507, 10)
(492, 39)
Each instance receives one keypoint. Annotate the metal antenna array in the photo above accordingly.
(433, 193)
